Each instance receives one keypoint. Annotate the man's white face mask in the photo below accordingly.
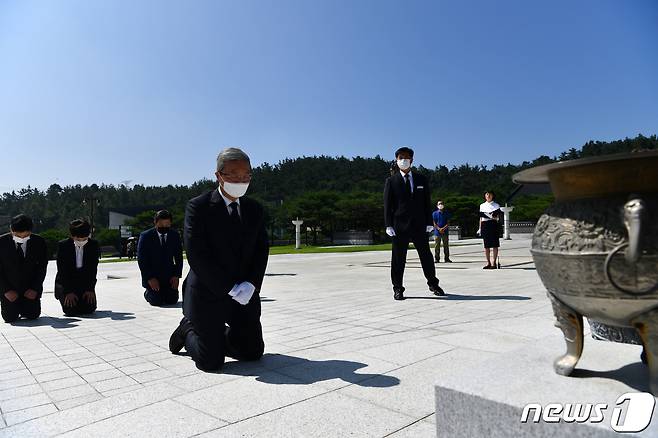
(439, 206)
(404, 163)
(20, 240)
(235, 190)
(80, 243)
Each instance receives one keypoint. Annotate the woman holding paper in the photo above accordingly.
(489, 217)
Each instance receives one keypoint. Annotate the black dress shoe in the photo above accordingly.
(436, 290)
(177, 339)
(448, 261)
(398, 293)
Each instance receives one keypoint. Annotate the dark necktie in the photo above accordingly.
(162, 240)
(235, 216)
(19, 250)
(407, 183)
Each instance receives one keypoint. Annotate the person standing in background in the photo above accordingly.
(441, 220)
(489, 229)
(408, 218)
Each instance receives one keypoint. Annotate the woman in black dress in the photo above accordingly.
(489, 216)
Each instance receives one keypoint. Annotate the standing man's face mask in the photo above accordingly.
(404, 163)
(440, 206)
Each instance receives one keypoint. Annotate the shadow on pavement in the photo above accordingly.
(54, 322)
(115, 316)
(300, 371)
(635, 375)
(457, 297)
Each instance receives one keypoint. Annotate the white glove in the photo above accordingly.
(390, 231)
(429, 228)
(478, 232)
(242, 292)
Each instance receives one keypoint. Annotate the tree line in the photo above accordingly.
(328, 193)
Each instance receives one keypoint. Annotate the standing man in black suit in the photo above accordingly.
(408, 217)
(77, 265)
(23, 264)
(160, 258)
(227, 249)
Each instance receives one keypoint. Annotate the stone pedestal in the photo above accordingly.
(487, 400)
(298, 233)
(506, 211)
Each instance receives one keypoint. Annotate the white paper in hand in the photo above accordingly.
(390, 231)
(245, 292)
(233, 292)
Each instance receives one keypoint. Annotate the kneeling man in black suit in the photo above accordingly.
(160, 258)
(77, 265)
(23, 264)
(227, 249)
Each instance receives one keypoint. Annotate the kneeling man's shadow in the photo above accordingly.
(281, 369)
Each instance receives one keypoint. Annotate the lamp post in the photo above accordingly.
(506, 210)
(93, 202)
(298, 233)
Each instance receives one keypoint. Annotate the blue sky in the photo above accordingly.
(150, 91)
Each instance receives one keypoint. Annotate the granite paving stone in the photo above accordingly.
(342, 358)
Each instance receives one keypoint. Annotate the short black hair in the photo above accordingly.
(162, 214)
(403, 150)
(21, 222)
(491, 192)
(79, 228)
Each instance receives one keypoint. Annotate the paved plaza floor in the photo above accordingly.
(342, 358)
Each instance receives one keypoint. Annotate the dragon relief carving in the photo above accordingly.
(589, 226)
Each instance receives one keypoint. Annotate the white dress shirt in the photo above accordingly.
(228, 201)
(411, 179)
(23, 248)
(160, 237)
(79, 253)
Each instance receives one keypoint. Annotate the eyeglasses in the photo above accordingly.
(236, 178)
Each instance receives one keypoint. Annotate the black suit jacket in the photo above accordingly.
(21, 275)
(157, 261)
(221, 253)
(69, 278)
(407, 214)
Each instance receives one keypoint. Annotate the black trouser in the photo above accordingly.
(441, 238)
(165, 296)
(30, 309)
(81, 307)
(207, 343)
(399, 257)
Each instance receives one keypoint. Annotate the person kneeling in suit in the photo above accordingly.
(227, 248)
(23, 263)
(160, 259)
(77, 264)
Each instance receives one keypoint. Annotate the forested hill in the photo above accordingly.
(293, 177)
(329, 193)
